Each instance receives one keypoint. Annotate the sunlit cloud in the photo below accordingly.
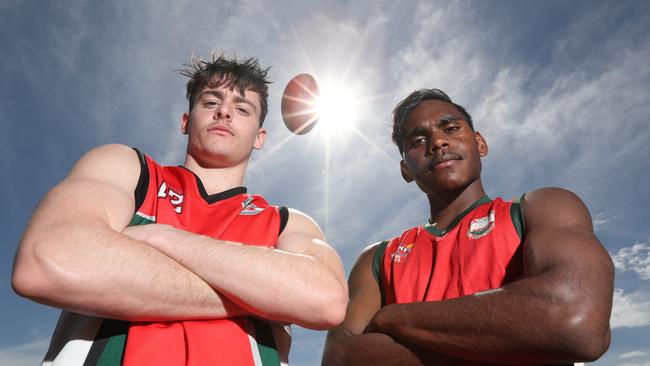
(630, 310)
(635, 259)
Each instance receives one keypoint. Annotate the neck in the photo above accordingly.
(445, 207)
(217, 179)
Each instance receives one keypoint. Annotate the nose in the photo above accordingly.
(439, 141)
(224, 112)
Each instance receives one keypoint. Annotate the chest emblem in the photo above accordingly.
(481, 226)
(402, 252)
(249, 208)
(175, 196)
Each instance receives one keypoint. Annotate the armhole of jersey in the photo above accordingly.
(284, 218)
(517, 216)
(377, 261)
(140, 192)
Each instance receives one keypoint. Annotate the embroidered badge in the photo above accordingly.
(481, 226)
(402, 252)
(249, 208)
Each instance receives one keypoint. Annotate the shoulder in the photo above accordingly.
(554, 206)
(299, 220)
(107, 159)
(368, 254)
(300, 228)
(115, 164)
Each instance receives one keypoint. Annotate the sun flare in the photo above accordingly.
(336, 107)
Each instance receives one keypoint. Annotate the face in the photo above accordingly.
(223, 126)
(441, 152)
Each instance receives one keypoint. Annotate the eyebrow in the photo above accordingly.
(238, 98)
(441, 122)
(447, 119)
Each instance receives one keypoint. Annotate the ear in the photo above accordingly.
(481, 144)
(406, 173)
(260, 139)
(185, 122)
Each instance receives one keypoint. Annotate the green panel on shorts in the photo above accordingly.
(266, 344)
(113, 352)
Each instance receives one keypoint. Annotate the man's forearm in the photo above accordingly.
(500, 326)
(375, 349)
(273, 284)
(100, 272)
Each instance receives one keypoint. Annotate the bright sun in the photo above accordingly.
(336, 107)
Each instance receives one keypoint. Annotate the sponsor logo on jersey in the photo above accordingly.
(481, 226)
(175, 196)
(402, 252)
(249, 208)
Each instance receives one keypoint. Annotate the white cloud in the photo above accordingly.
(635, 258)
(25, 354)
(633, 354)
(602, 219)
(630, 310)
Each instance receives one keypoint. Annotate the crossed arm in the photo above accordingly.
(77, 254)
(558, 312)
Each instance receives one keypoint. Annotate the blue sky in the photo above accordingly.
(560, 90)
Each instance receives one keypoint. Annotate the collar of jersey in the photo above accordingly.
(433, 229)
(212, 198)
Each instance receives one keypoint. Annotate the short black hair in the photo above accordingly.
(243, 75)
(406, 106)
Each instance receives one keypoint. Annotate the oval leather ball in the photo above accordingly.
(298, 105)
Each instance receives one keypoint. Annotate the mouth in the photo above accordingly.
(443, 161)
(221, 129)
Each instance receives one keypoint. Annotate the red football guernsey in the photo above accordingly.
(175, 196)
(475, 254)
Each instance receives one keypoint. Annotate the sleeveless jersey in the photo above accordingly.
(480, 250)
(176, 196)
(476, 253)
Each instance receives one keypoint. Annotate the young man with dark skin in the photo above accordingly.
(485, 281)
(216, 273)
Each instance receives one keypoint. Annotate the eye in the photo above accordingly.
(451, 129)
(211, 103)
(243, 111)
(417, 141)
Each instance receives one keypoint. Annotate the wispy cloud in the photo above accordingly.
(635, 258)
(602, 219)
(633, 354)
(630, 310)
(28, 354)
(563, 106)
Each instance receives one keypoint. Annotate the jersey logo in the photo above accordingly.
(481, 226)
(402, 252)
(249, 208)
(175, 198)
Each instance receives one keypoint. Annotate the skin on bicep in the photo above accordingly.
(98, 189)
(559, 231)
(364, 293)
(561, 245)
(114, 171)
(302, 235)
